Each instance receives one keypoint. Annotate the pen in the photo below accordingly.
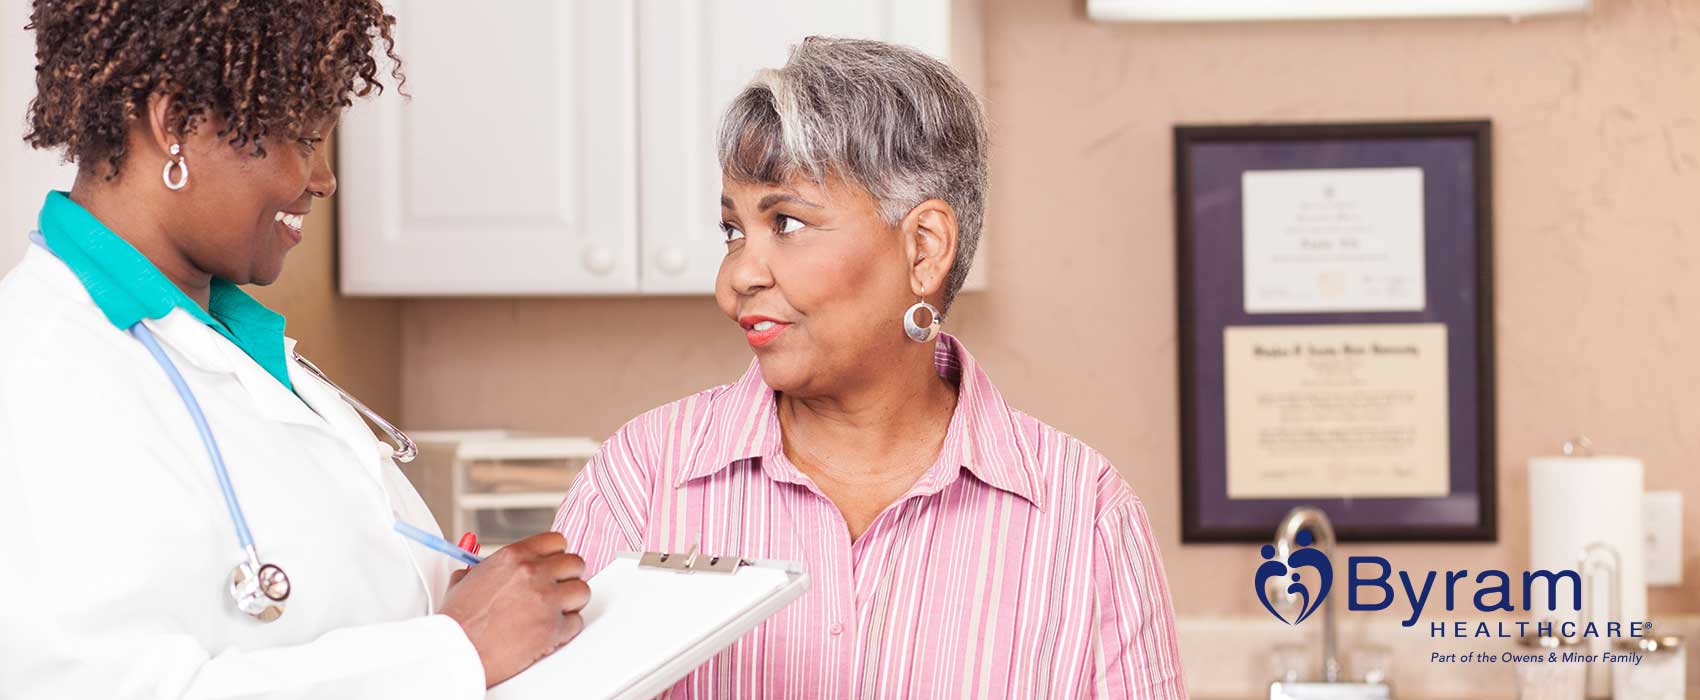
(434, 542)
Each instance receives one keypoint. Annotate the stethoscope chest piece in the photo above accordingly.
(261, 593)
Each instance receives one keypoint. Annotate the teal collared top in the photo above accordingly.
(128, 288)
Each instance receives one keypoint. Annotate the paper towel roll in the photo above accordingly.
(1575, 502)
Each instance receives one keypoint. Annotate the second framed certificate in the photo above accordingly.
(1336, 329)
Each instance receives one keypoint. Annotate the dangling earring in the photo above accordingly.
(182, 169)
(917, 332)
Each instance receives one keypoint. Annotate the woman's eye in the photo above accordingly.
(730, 232)
(787, 224)
(309, 142)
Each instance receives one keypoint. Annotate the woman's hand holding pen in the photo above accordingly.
(520, 604)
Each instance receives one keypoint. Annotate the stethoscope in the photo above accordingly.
(260, 589)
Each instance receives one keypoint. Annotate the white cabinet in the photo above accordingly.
(559, 148)
(694, 57)
(511, 169)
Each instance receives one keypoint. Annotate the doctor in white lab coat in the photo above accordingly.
(116, 547)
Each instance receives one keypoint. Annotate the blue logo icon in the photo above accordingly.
(1303, 557)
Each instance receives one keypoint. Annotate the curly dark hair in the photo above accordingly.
(263, 67)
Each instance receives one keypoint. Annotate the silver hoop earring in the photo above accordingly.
(917, 332)
(182, 169)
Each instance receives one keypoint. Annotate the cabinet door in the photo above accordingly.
(511, 169)
(695, 56)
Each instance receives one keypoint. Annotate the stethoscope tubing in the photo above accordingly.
(243, 535)
(141, 333)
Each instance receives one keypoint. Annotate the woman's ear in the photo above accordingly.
(160, 132)
(929, 235)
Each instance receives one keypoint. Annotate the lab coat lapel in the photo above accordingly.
(203, 348)
(372, 453)
(340, 417)
(313, 405)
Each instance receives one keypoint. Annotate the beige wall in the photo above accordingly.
(1598, 200)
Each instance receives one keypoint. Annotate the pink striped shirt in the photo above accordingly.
(1020, 565)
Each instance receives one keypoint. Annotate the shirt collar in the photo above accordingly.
(743, 423)
(128, 288)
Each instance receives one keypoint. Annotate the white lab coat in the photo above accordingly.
(116, 547)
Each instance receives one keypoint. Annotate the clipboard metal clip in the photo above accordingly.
(690, 562)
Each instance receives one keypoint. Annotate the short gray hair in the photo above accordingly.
(886, 117)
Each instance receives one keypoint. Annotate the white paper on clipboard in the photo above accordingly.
(647, 627)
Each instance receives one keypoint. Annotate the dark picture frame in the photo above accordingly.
(1457, 195)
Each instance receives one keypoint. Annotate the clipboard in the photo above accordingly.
(652, 619)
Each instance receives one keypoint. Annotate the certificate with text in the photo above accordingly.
(1333, 240)
(1336, 411)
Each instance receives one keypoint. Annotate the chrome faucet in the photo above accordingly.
(1322, 534)
(1332, 686)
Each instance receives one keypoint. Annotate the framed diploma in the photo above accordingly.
(1336, 329)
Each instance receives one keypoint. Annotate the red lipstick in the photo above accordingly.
(767, 334)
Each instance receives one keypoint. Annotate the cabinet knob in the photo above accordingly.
(671, 260)
(598, 260)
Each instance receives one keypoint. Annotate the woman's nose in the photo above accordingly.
(322, 182)
(749, 269)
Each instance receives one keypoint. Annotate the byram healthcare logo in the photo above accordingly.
(1305, 575)
(1301, 558)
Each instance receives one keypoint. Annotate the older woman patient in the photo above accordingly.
(957, 547)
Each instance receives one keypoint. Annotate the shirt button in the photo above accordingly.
(836, 629)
